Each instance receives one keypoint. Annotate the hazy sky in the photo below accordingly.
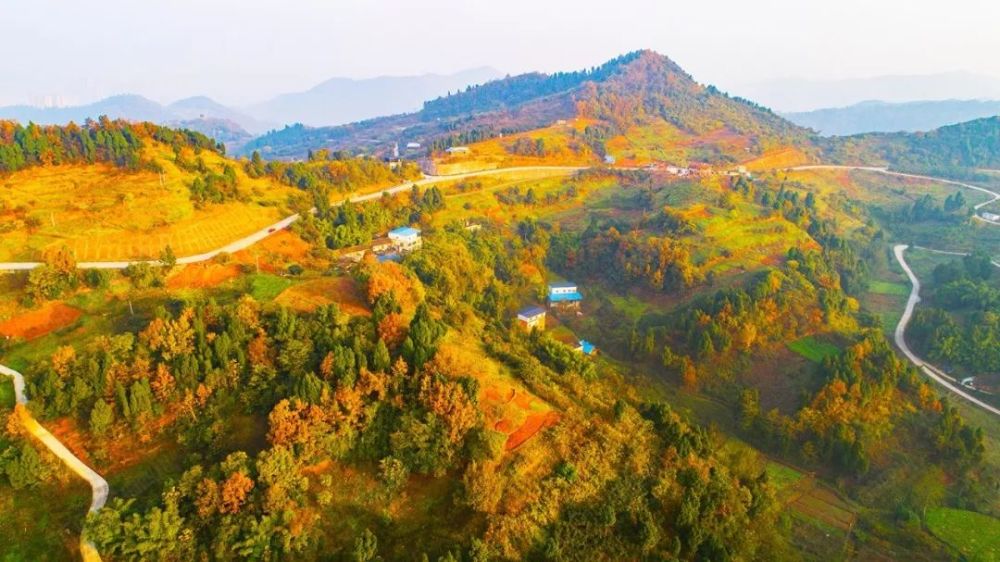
(244, 51)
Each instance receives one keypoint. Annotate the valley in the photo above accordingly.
(308, 352)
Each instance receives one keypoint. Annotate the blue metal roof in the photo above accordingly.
(531, 311)
(566, 297)
(404, 231)
(586, 347)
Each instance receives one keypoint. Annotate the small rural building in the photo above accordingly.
(609, 159)
(532, 317)
(586, 348)
(990, 216)
(405, 238)
(564, 294)
(381, 244)
(354, 253)
(412, 145)
(458, 150)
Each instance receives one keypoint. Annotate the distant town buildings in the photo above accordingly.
(531, 318)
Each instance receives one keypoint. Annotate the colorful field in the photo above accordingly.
(202, 275)
(310, 295)
(40, 321)
(813, 349)
(562, 148)
(975, 535)
(265, 287)
(105, 213)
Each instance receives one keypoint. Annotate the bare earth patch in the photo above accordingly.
(36, 323)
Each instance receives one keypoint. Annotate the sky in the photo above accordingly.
(240, 52)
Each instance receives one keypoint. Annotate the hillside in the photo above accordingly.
(955, 149)
(112, 191)
(877, 116)
(637, 90)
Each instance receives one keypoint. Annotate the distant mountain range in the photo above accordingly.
(798, 94)
(334, 102)
(879, 116)
(342, 100)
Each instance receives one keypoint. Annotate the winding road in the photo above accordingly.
(98, 485)
(251, 239)
(900, 336)
(930, 370)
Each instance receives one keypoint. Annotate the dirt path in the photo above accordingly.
(98, 485)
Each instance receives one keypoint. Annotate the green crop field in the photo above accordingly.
(813, 349)
(975, 535)
(265, 287)
(6, 393)
(782, 476)
(887, 288)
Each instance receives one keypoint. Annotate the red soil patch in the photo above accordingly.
(36, 323)
(202, 275)
(287, 245)
(531, 426)
(66, 431)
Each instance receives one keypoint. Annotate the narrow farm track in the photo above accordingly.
(251, 239)
(98, 485)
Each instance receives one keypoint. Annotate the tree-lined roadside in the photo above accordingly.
(98, 485)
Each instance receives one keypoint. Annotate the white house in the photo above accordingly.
(405, 238)
(564, 294)
(458, 150)
(412, 145)
(990, 216)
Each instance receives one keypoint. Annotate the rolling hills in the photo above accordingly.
(637, 90)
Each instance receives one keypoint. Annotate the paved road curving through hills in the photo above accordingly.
(251, 239)
(98, 485)
(900, 336)
(930, 370)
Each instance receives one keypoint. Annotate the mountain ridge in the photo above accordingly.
(620, 92)
(875, 116)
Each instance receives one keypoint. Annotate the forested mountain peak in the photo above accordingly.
(629, 89)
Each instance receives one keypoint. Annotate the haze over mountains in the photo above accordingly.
(343, 100)
(799, 94)
(879, 116)
(334, 102)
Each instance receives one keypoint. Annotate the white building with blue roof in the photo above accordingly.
(564, 293)
(405, 238)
